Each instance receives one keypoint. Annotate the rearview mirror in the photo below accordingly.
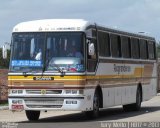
(91, 49)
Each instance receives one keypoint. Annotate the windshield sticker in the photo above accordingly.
(77, 67)
(65, 67)
(31, 63)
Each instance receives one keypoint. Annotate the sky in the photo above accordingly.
(128, 15)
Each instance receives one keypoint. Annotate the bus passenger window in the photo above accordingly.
(135, 48)
(143, 49)
(104, 44)
(115, 45)
(126, 49)
(151, 50)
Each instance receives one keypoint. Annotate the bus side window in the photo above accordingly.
(126, 48)
(115, 45)
(104, 44)
(151, 50)
(143, 49)
(135, 48)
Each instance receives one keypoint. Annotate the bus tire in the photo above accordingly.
(32, 115)
(96, 105)
(136, 106)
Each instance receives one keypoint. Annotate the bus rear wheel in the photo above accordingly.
(32, 115)
(135, 106)
(96, 104)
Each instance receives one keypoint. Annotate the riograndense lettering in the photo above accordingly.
(121, 68)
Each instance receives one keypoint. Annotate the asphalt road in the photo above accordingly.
(150, 113)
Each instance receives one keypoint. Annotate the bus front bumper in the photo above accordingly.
(70, 103)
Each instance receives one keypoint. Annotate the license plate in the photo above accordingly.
(17, 107)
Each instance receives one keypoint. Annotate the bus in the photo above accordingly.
(107, 67)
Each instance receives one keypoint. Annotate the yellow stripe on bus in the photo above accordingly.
(137, 73)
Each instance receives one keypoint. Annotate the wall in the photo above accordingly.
(3, 84)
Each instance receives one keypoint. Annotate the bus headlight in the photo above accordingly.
(20, 91)
(17, 101)
(15, 91)
(75, 92)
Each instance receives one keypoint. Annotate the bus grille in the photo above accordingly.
(45, 103)
(44, 106)
(47, 91)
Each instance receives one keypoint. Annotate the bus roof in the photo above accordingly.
(51, 25)
(57, 25)
(126, 33)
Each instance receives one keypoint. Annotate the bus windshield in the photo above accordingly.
(34, 52)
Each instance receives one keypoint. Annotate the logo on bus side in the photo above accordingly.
(43, 78)
(123, 68)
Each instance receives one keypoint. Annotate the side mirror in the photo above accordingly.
(91, 49)
(4, 52)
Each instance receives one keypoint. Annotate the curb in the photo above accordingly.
(4, 107)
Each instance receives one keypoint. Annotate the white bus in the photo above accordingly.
(72, 64)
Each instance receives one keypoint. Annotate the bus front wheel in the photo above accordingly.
(96, 104)
(32, 115)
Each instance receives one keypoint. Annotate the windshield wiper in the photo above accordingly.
(25, 74)
(60, 70)
(57, 67)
